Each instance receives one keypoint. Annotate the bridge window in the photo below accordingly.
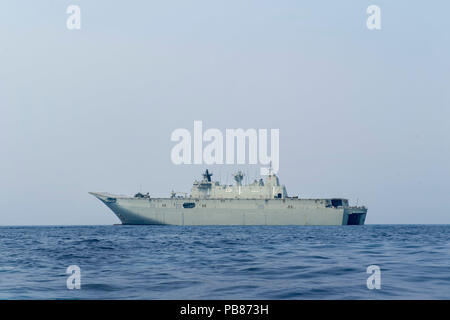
(336, 202)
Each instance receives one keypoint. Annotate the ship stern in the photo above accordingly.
(354, 216)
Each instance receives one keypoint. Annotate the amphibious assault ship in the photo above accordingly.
(263, 202)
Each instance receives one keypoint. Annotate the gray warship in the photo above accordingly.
(263, 202)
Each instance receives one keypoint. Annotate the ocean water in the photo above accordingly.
(267, 262)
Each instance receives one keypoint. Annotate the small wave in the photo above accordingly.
(98, 287)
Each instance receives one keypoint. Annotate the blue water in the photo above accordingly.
(165, 262)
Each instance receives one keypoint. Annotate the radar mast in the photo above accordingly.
(238, 177)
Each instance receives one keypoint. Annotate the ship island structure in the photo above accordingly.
(263, 202)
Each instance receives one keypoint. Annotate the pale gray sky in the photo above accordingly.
(362, 114)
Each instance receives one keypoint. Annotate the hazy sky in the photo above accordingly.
(362, 114)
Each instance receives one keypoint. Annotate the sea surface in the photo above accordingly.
(264, 262)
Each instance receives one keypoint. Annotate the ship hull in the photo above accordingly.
(191, 212)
